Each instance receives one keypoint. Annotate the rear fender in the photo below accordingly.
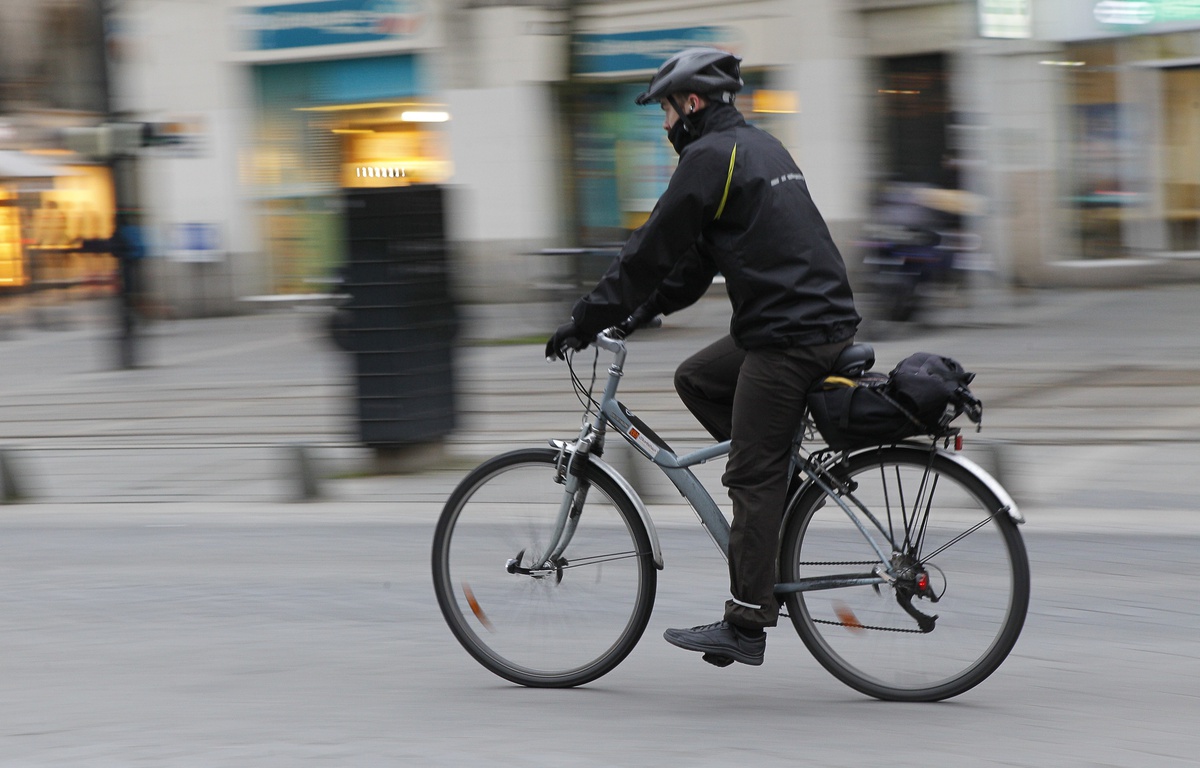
(1006, 501)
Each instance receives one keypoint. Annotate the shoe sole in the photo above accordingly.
(718, 653)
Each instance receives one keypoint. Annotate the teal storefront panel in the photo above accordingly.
(316, 83)
(318, 23)
(639, 51)
(624, 160)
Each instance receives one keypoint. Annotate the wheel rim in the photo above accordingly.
(560, 625)
(863, 634)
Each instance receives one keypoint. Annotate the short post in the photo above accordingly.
(12, 489)
(302, 474)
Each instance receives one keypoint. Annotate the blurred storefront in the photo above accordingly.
(51, 78)
(47, 209)
(1125, 109)
(1133, 126)
(329, 117)
(525, 113)
(1075, 121)
(623, 161)
(74, 205)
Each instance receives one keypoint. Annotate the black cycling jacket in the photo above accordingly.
(737, 204)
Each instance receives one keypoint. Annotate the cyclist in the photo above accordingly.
(736, 204)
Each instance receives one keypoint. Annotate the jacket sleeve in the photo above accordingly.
(654, 250)
(683, 287)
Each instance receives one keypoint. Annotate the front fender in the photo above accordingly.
(624, 485)
(638, 504)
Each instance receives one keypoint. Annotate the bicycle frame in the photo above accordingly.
(678, 470)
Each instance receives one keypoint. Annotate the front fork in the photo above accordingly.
(571, 473)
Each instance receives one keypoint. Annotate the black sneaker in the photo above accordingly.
(720, 643)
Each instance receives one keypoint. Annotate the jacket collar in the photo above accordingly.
(715, 117)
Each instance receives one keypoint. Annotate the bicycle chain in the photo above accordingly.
(853, 626)
(867, 626)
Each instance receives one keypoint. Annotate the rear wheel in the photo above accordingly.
(957, 606)
(554, 624)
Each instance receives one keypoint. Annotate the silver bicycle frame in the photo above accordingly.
(677, 468)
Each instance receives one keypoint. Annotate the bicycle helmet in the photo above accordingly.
(709, 72)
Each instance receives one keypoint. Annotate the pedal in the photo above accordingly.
(718, 660)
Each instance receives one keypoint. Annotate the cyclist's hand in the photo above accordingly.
(642, 317)
(567, 336)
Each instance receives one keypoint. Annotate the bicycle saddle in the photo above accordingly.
(854, 360)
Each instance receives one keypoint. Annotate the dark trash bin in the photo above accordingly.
(399, 320)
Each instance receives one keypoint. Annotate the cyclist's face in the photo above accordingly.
(690, 104)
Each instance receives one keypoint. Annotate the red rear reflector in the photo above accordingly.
(958, 442)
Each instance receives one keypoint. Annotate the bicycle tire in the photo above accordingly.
(559, 629)
(862, 634)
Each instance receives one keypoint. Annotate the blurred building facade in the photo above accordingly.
(1069, 126)
(51, 78)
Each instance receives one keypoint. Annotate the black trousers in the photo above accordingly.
(756, 399)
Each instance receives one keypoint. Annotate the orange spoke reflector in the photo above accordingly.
(475, 609)
(847, 617)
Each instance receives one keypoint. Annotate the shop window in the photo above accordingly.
(80, 206)
(329, 125)
(393, 146)
(1181, 157)
(12, 266)
(1099, 201)
(915, 116)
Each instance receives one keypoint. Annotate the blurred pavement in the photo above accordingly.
(1092, 399)
(164, 604)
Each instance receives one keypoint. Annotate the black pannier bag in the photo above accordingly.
(921, 396)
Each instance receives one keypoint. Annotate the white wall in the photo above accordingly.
(826, 70)
(504, 162)
(505, 203)
(176, 70)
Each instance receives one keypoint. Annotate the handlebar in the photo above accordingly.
(613, 339)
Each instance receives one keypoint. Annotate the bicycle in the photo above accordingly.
(545, 560)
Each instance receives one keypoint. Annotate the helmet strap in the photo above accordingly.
(687, 121)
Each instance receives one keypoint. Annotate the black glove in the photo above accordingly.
(641, 317)
(567, 336)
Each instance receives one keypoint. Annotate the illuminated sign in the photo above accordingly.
(1140, 12)
(1006, 18)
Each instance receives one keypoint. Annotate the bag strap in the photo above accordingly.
(844, 420)
(907, 413)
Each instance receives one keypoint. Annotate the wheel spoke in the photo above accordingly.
(890, 641)
(526, 622)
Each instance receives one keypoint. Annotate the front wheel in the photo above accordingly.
(542, 625)
(959, 576)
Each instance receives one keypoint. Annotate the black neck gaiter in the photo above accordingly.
(680, 135)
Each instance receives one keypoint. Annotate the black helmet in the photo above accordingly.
(710, 72)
